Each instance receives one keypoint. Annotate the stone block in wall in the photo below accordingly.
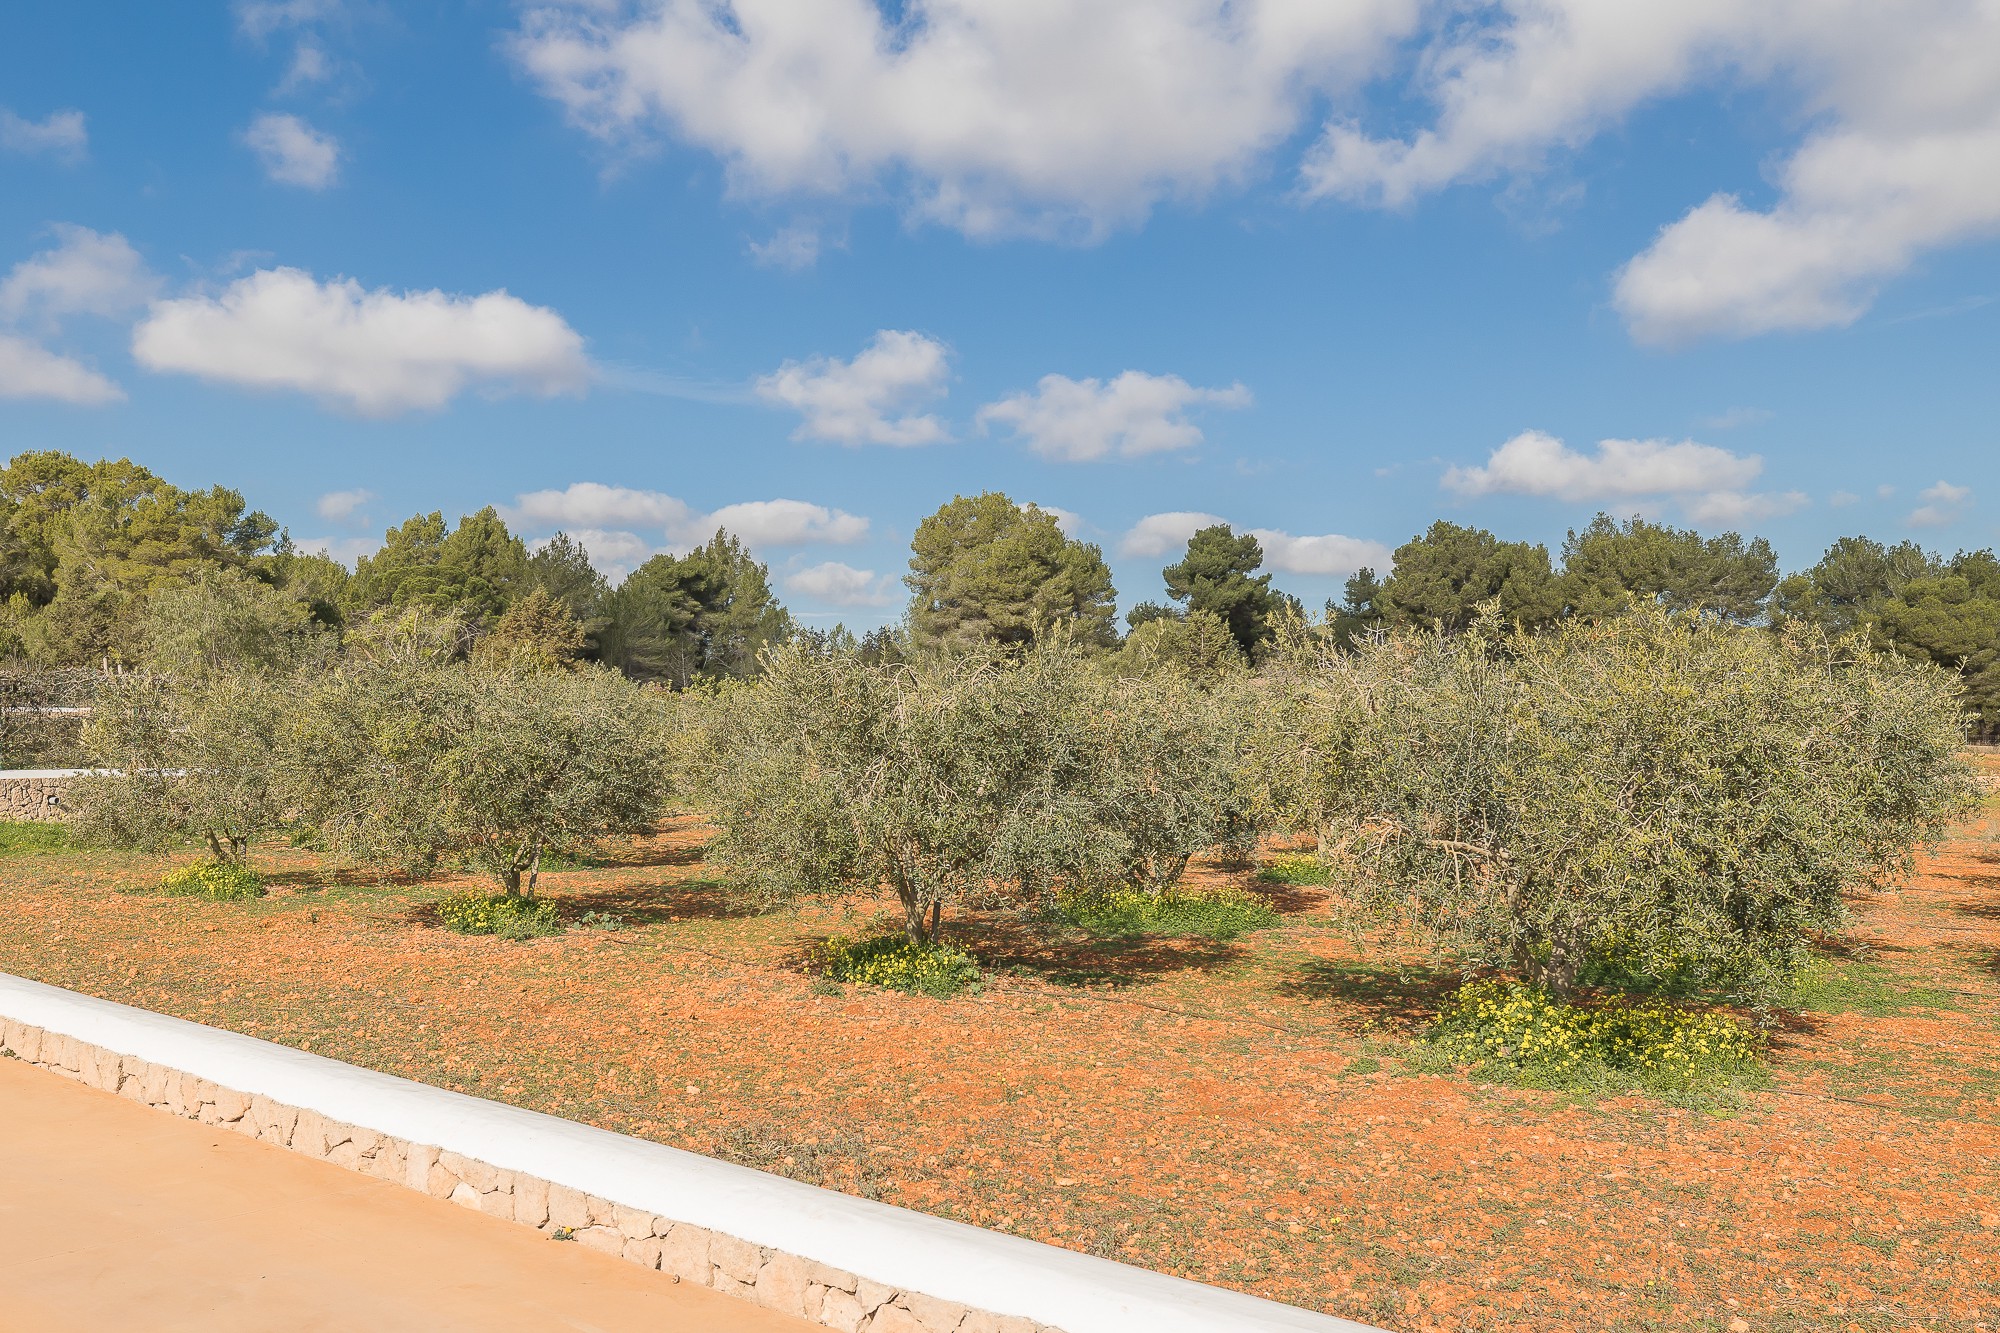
(531, 1201)
(684, 1252)
(781, 1283)
(567, 1208)
(736, 1260)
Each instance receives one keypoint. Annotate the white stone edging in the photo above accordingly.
(1005, 1281)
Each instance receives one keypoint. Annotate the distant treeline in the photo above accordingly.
(85, 548)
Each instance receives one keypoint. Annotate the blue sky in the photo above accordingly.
(1325, 270)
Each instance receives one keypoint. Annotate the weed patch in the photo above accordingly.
(217, 881)
(1218, 914)
(18, 837)
(1519, 1034)
(473, 913)
(1856, 986)
(893, 962)
(1299, 870)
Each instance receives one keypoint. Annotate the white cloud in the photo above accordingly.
(60, 134)
(1158, 534)
(376, 353)
(1842, 499)
(788, 523)
(346, 550)
(1328, 554)
(342, 506)
(592, 506)
(1943, 505)
(293, 152)
(1730, 508)
(1536, 463)
(84, 273)
(793, 248)
(841, 585)
(1068, 520)
(869, 400)
(29, 370)
(1708, 483)
(1133, 414)
(310, 65)
(614, 553)
(1901, 153)
(1003, 116)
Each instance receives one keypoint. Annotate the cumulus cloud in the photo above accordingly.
(29, 370)
(1943, 505)
(346, 550)
(341, 506)
(872, 399)
(1131, 415)
(788, 523)
(1902, 153)
(293, 152)
(1537, 463)
(1004, 117)
(1708, 483)
(613, 519)
(614, 553)
(84, 273)
(841, 585)
(1158, 534)
(1328, 554)
(377, 353)
(60, 135)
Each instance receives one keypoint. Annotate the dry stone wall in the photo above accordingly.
(787, 1283)
(36, 796)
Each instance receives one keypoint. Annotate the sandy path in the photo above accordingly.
(115, 1216)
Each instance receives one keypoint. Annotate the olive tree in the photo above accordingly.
(945, 778)
(191, 743)
(408, 763)
(1165, 785)
(1669, 794)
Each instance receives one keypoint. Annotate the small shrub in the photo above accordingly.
(475, 913)
(600, 921)
(895, 963)
(24, 836)
(1219, 914)
(1508, 1030)
(1295, 870)
(217, 881)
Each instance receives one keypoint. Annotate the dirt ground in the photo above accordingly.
(1238, 1113)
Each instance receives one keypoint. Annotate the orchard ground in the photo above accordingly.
(1245, 1113)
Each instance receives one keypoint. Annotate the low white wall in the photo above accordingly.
(1003, 1281)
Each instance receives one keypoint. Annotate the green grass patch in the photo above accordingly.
(1855, 986)
(1218, 914)
(475, 913)
(19, 837)
(217, 881)
(1304, 870)
(1509, 1032)
(893, 962)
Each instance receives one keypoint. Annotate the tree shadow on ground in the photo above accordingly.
(1407, 997)
(1985, 911)
(653, 904)
(320, 878)
(1022, 945)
